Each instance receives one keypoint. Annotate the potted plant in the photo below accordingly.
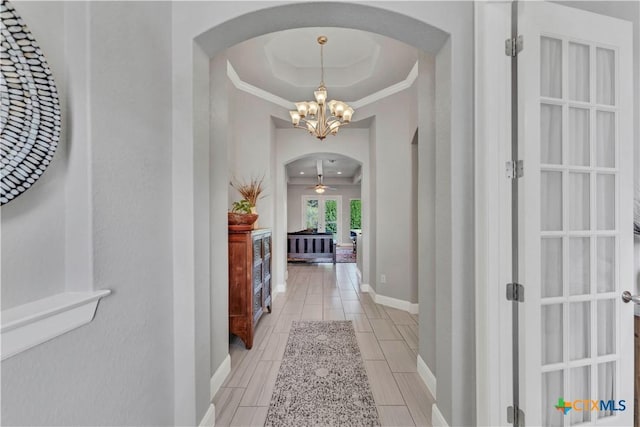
(250, 191)
(240, 217)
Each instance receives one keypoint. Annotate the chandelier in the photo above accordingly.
(312, 115)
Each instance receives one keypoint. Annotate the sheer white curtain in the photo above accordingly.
(551, 215)
(578, 146)
(605, 139)
(551, 67)
(578, 137)
(578, 72)
(551, 134)
(605, 76)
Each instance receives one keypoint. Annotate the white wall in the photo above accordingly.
(33, 225)
(118, 369)
(396, 123)
(251, 149)
(222, 99)
(426, 206)
(294, 206)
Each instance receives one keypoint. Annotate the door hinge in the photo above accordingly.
(515, 416)
(514, 169)
(513, 46)
(515, 292)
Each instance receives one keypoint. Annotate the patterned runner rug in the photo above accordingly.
(322, 380)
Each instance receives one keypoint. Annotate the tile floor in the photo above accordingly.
(388, 340)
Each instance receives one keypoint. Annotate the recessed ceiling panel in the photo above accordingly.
(357, 63)
(333, 166)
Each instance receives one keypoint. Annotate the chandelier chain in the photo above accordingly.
(321, 65)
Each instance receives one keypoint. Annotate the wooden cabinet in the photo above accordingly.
(249, 281)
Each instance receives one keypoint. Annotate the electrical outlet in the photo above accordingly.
(383, 278)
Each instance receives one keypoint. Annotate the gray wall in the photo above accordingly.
(294, 205)
(117, 370)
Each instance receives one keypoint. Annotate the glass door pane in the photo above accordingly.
(331, 216)
(322, 214)
(311, 213)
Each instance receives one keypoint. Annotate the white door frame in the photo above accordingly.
(197, 27)
(493, 211)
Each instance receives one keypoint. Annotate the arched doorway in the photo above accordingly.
(345, 176)
(199, 315)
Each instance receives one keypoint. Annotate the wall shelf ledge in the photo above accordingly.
(30, 324)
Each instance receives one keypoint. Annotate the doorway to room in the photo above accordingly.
(379, 274)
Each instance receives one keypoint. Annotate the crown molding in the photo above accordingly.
(239, 84)
(254, 90)
(388, 91)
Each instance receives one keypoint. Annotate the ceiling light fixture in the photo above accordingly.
(313, 114)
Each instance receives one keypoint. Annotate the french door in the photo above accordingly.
(323, 213)
(575, 211)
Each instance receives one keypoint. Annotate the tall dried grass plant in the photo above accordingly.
(251, 191)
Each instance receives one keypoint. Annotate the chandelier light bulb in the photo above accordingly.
(295, 117)
(312, 115)
(321, 95)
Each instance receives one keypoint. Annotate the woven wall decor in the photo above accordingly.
(29, 107)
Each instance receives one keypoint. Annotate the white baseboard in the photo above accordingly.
(397, 303)
(427, 376)
(281, 287)
(437, 419)
(209, 419)
(219, 376)
(388, 301)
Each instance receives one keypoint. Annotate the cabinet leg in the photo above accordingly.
(248, 342)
